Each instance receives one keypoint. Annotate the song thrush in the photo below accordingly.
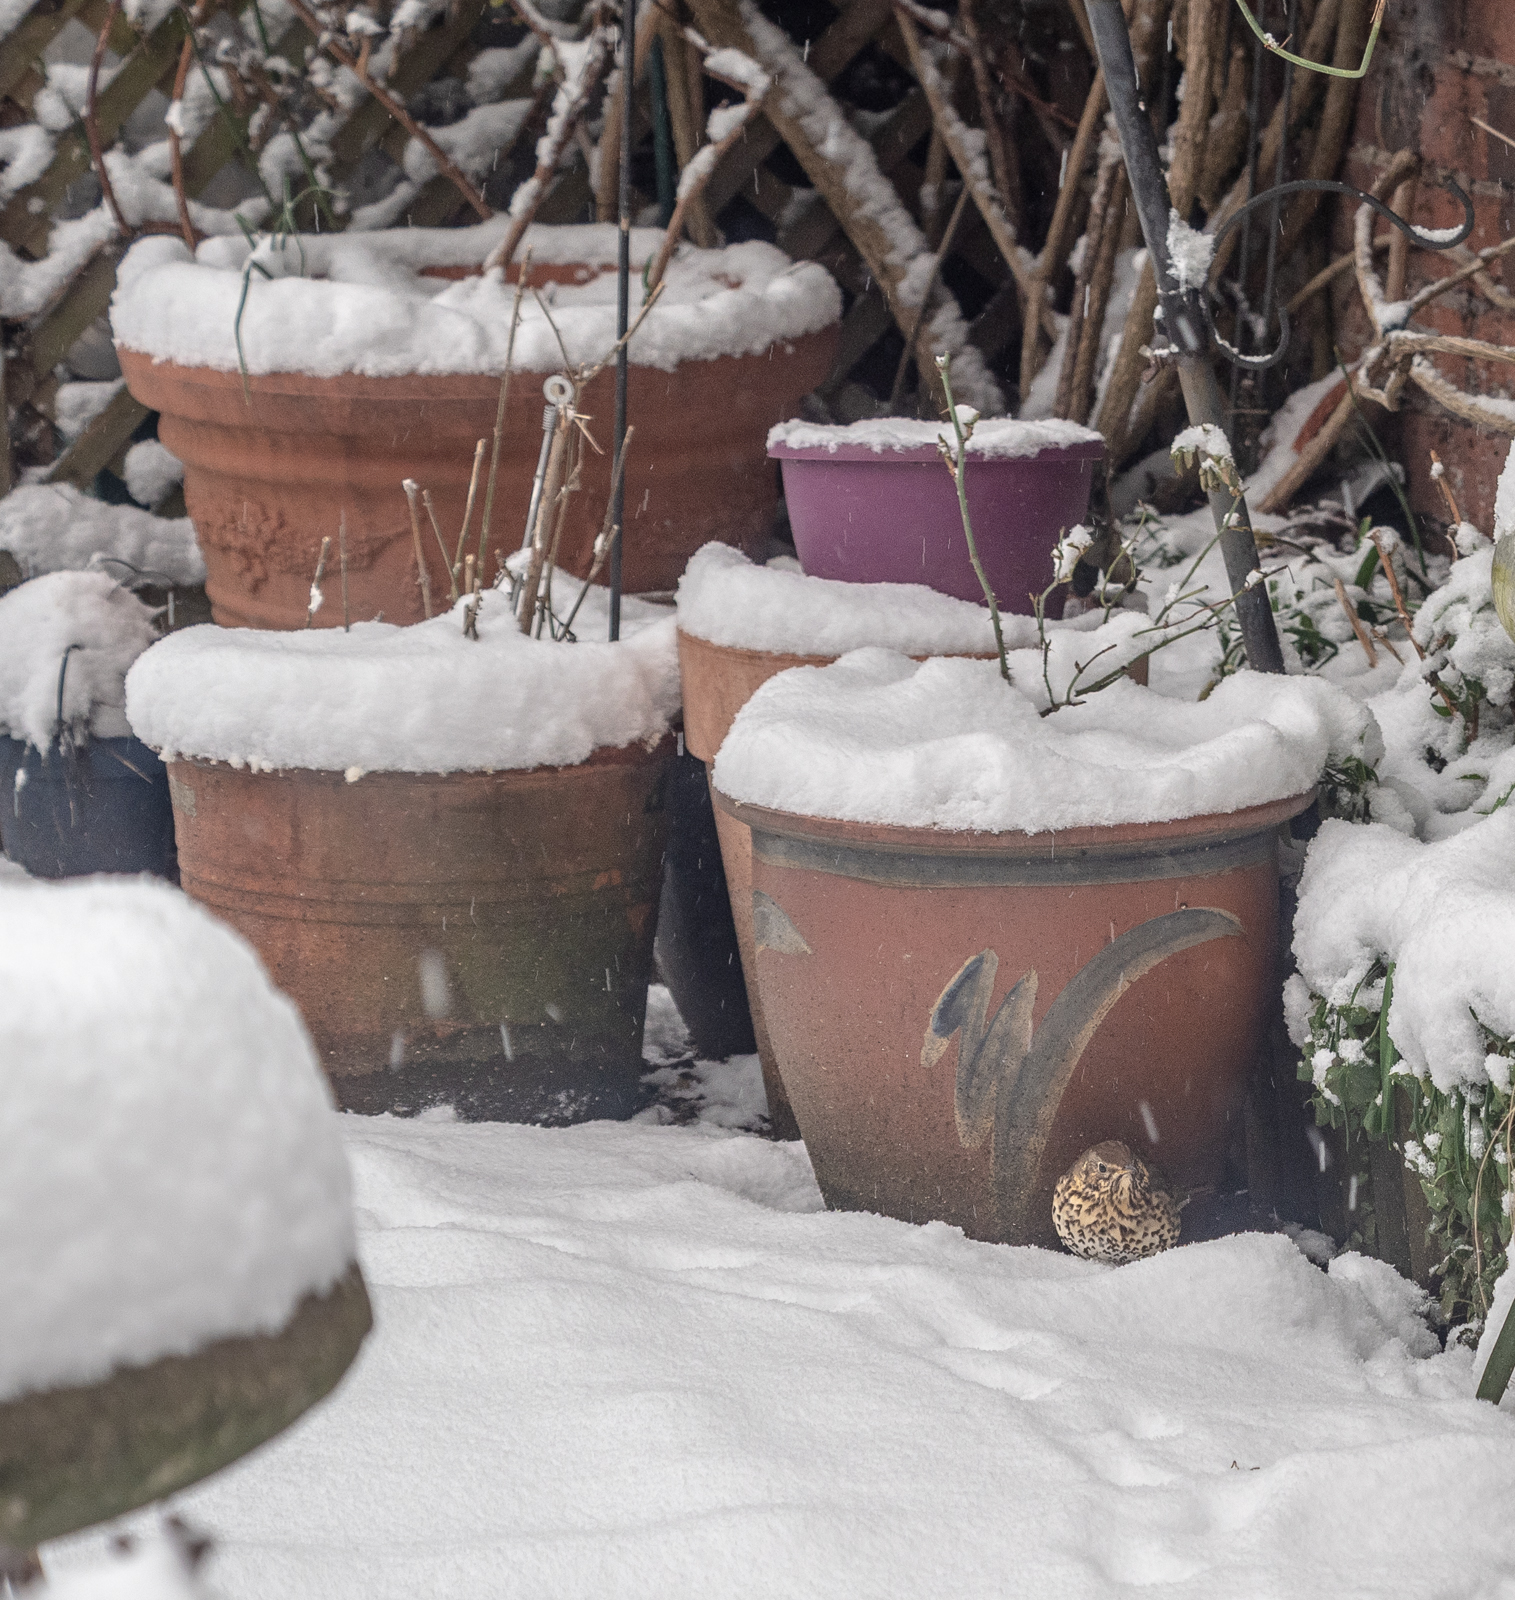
(1110, 1206)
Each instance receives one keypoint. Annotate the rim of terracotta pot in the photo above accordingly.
(418, 386)
(1115, 839)
(604, 756)
(799, 658)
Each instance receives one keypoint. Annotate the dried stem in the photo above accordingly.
(436, 528)
(695, 177)
(473, 491)
(358, 66)
(1440, 474)
(499, 417)
(342, 558)
(176, 151)
(688, 130)
(1005, 170)
(568, 107)
(314, 604)
(911, 350)
(607, 535)
(957, 465)
(1054, 253)
(412, 496)
(556, 472)
(92, 122)
(1101, 209)
(1364, 638)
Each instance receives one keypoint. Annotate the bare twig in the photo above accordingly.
(911, 350)
(499, 417)
(607, 535)
(547, 505)
(175, 146)
(339, 52)
(1002, 164)
(568, 107)
(473, 490)
(1439, 472)
(698, 173)
(316, 597)
(92, 122)
(342, 558)
(436, 528)
(1364, 638)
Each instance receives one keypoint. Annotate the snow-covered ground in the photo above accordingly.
(640, 1359)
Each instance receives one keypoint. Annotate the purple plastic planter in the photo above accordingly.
(891, 515)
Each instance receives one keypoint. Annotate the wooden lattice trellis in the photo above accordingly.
(1045, 177)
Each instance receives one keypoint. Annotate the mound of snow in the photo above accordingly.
(1442, 914)
(362, 302)
(54, 528)
(946, 743)
(630, 1361)
(383, 698)
(172, 1170)
(99, 626)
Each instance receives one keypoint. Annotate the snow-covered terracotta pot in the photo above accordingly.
(986, 939)
(78, 794)
(873, 502)
(361, 365)
(739, 625)
(180, 1262)
(447, 851)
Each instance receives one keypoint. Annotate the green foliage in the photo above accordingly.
(1457, 1143)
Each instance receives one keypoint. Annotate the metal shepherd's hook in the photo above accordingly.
(1184, 322)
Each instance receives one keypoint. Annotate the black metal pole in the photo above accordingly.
(622, 305)
(1183, 321)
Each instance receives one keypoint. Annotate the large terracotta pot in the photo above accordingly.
(482, 939)
(272, 465)
(958, 1016)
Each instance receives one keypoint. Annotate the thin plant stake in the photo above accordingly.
(316, 596)
(499, 417)
(412, 496)
(342, 559)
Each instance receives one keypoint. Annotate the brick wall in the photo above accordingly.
(1439, 64)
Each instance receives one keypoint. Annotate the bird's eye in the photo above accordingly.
(1102, 1166)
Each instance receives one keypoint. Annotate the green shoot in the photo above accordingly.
(1272, 44)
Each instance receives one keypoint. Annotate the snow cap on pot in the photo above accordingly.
(878, 738)
(66, 642)
(424, 698)
(171, 1144)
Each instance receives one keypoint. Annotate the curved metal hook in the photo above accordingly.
(1322, 186)
(1331, 186)
(1233, 355)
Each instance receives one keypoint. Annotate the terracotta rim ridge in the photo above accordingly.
(602, 756)
(1121, 837)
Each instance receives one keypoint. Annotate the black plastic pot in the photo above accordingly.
(696, 944)
(102, 807)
